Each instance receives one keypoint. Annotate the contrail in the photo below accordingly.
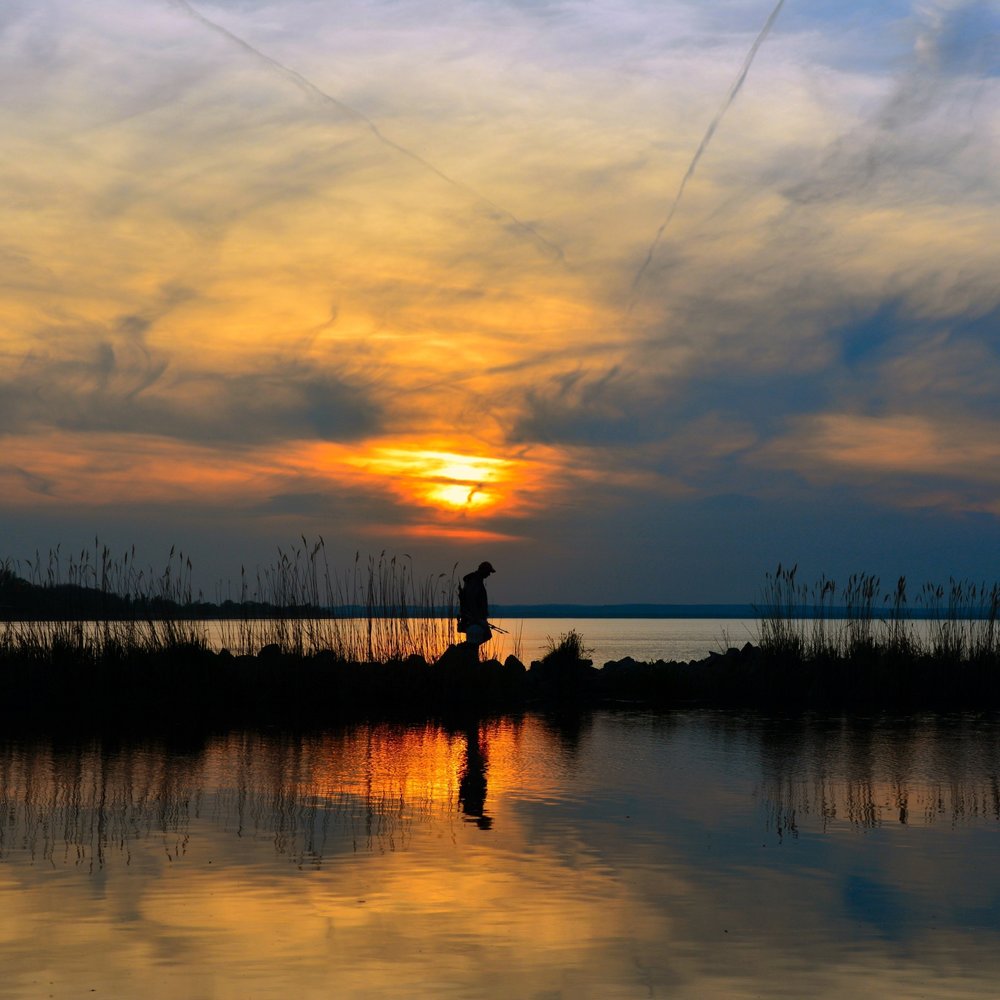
(702, 146)
(549, 248)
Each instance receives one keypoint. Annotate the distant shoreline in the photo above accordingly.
(806, 612)
(499, 612)
(624, 611)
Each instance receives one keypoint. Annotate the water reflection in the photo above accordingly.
(692, 854)
(364, 788)
(866, 773)
(472, 783)
(75, 804)
(368, 788)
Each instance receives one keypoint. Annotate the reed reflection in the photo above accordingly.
(360, 789)
(77, 804)
(869, 773)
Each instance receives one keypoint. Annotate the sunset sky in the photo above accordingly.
(390, 273)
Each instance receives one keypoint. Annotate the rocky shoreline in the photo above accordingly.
(275, 688)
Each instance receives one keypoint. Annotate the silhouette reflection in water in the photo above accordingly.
(472, 784)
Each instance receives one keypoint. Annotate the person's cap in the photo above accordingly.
(485, 567)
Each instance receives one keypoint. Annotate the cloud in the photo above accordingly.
(946, 367)
(109, 396)
(579, 407)
(505, 217)
(903, 460)
(703, 145)
(925, 141)
(30, 481)
(961, 38)
(205, 260)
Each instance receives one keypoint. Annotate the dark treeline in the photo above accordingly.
(98, 584)
(22, 600)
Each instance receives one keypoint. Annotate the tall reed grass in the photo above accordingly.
(97, 606)
(376, 610)
(957, 623)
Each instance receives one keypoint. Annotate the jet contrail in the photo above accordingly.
(549, 248)
(702, 146)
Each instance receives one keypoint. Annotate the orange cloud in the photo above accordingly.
(901, 445)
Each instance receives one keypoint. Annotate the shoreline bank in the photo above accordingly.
(195, 685)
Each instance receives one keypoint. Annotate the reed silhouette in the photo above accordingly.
(97, 604)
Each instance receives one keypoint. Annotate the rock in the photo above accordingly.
(625, 663)
(458, 655)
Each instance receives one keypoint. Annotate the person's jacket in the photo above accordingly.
(474, 605)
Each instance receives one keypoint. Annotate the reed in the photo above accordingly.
(862, 620)
(569, 648)
(97, 606)
(782, 631)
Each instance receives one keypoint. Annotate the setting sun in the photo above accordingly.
(441, 478)
(455, 495)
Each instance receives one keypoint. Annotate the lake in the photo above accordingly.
(644, 639)
(529, 638)
(615, 638)
(612, 854)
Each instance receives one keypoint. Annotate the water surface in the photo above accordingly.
(604, 855)
(645, 639)
(530, 638)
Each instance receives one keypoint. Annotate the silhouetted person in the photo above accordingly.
(474, 608)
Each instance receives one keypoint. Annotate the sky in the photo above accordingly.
(635, 300)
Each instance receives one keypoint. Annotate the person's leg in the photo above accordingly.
(477, 635)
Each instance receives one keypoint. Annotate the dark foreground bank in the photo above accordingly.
(195, 686)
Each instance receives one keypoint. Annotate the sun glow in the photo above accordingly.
(457, 495)
(444, 479)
